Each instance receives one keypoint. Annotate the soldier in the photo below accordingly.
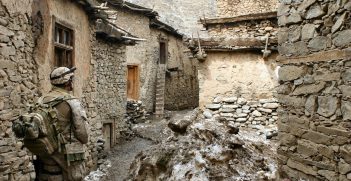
(67, 163)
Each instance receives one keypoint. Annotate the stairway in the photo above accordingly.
(160, 91)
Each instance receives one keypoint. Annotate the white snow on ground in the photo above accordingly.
(99, 173)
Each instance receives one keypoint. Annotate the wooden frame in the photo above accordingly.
(163, 45)
(68, 46)
(112, 131)
(136, 79)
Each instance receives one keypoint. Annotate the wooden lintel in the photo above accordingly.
(316, 57)
(258, 16)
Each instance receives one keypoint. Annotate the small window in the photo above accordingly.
(63, 46)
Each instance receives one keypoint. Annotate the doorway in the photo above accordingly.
(133, 82)
(108, 135)
(163, 52)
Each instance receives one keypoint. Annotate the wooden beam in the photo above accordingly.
(258, 16)
(316, 57)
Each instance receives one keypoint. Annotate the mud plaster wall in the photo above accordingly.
(146, 55)
(73, 15)
(230, 8)
(240, 74)
(314, 120)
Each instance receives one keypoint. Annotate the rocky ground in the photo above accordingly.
(196, 149)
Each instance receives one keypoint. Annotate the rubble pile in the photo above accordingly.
(136, 112)
(209, 149)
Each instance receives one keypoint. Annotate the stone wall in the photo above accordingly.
(242, 74)
(104, 95)
(182, 86)
(312, 26)
(146, 55)
(243, 113)
(231, 8)
(18, 86)
(246, 29)
(314, 120)
(26, 59)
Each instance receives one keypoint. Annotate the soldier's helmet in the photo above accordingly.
(61, 75)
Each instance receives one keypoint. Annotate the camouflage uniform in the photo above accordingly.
(71, 124)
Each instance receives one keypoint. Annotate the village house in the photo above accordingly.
(237, 63)
(160, 73)
(37, 36)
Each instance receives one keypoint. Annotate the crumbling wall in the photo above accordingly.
(315, 75)
(18, 86)
(240, 74)
(231, 8)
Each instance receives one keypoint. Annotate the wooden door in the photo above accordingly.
(163, 52)
(107, 132)
(132, 82)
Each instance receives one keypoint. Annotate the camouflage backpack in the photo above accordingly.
(38, 129)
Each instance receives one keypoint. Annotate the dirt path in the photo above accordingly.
(123, 154)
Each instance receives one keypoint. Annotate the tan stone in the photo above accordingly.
(327, 105)
(309, 89)
(306, 148)
(345, 153)
(317, 137)
(288, 73)
(329, 175)
(344, 167)
(334, 131)
(287, 139)
(301, 167)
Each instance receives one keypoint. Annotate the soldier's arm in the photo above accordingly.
(79, 121)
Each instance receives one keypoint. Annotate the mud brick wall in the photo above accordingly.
(242, 7)
(314, 91)
(18, 86)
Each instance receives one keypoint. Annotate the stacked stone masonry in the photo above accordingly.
(23, 78)
(243, 113)
(18, 86)
(313, 26)
(105, 90)
(257, 29)
(314, 120)
(231, 8)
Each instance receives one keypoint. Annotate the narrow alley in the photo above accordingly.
(141, 90)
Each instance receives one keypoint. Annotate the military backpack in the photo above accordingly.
(38, 128)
